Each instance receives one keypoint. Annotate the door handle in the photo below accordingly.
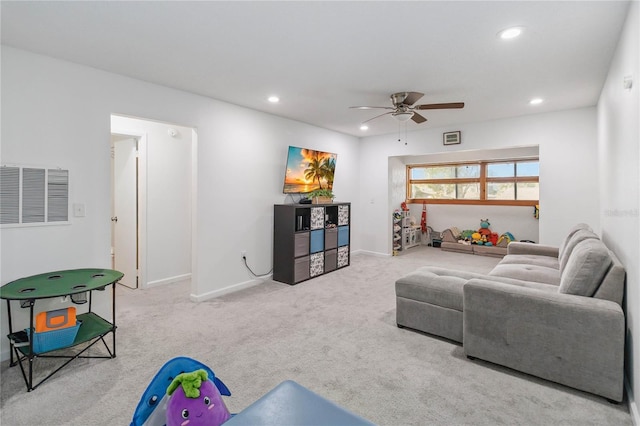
(114, 219)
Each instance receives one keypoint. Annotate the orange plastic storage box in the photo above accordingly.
(55, 320)
(55, 329)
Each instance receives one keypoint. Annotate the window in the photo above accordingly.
(485, 182)
(31, 195)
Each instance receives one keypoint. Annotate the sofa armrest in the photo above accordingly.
(516, 247)
(574, 340)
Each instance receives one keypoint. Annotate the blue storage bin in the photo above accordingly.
(55, 339)
(343, 236)
(317, 241)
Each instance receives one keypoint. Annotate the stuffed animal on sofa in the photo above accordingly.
(195, 401)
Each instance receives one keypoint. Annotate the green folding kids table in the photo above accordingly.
(75, 283)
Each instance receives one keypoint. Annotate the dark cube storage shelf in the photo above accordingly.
(310, 240)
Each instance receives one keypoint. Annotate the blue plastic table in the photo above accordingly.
(292, 404)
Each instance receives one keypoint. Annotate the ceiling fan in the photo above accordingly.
(403, 109)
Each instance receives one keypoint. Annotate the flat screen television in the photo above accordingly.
(308, 170)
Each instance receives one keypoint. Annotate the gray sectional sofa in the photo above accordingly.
(551, 312)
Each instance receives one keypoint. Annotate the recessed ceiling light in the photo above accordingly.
(536, 101)
(509, 33)
(274, 99)
(364, 127)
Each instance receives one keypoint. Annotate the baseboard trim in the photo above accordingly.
(370, 253)
(633, 407)
(170, 280)
(230, 289)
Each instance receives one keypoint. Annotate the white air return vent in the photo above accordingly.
(33, 195)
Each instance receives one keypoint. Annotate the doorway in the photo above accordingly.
(125, 208)
(153, 201)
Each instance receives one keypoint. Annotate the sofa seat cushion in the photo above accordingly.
(531, 259)
(549, 288)
(526, 272)
(585, 269)
(437, 286)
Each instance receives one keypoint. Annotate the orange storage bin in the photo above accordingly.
(56, 320)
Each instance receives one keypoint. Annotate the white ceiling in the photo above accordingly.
(322, 57)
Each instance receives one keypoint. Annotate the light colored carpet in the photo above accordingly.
(335, 335)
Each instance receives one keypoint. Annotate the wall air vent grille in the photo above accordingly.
(33, 196)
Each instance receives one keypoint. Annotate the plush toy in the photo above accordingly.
(466, 234)
(476, 238)
(195, 401)
(505, 239)
(152, 408)
(484, 227)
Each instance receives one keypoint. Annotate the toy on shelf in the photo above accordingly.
(397, 231)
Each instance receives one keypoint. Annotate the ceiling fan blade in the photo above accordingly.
(370, 107)
(441, 106)
(412, 98)
(418, 118)
(377, 116)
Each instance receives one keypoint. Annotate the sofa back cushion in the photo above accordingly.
(571, 233)
(612, 286)
(576, 238)
(585, 269)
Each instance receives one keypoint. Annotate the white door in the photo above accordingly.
(124, 218)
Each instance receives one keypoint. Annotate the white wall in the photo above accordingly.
(518, 220)
(568, 172)
(240, 177)
(56, 112)
(166, 169)
(619, 161)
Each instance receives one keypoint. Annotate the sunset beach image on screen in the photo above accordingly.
(308, 170)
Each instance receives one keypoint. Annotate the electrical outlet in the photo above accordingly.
(243, 254)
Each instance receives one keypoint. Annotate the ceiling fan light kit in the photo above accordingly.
(403, 109)
(402, 116)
